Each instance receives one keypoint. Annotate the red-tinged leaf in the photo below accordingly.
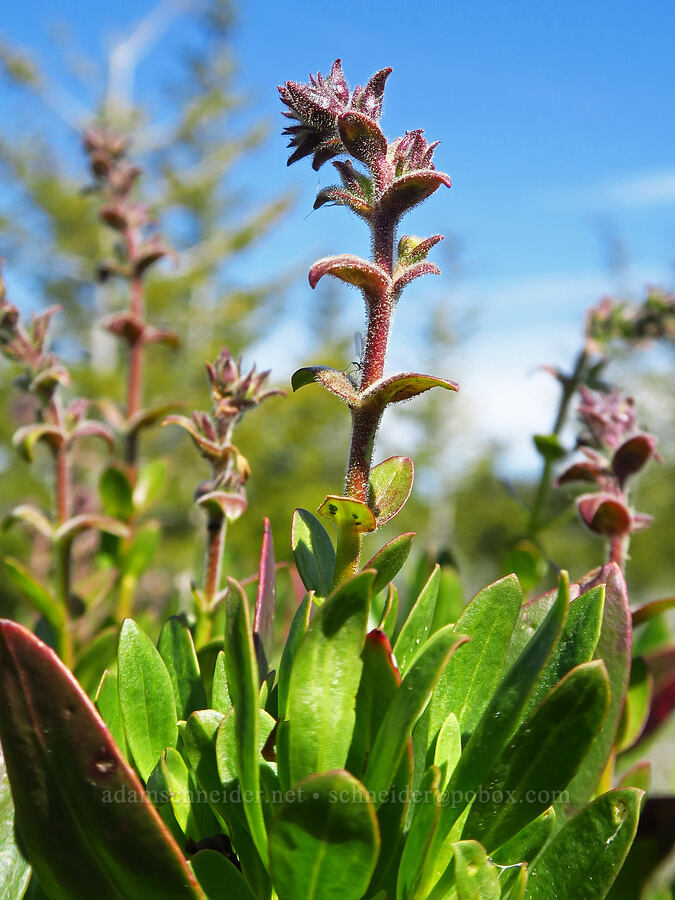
(92, 429)
(632, 455)
(352, 270)
(83, 815)
(348, 513)
(47, 380)
(411, 272)
(362, 137)
(396, 388)
(334, 380)
(390, 485)
(144, 418)
(413, 249)
(161, 336)
(26, 438)
(339, 197)
(263, 619)
(582, 471)
(231, 505)
(604, 514)
(409, 190)
(83, 522)
(389, 560)
(649, 610)
(125, 325)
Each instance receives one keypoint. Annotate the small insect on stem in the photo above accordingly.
(357, 364)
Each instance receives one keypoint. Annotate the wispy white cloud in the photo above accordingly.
(641, 190)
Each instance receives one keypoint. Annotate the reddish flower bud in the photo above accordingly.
(605, 514)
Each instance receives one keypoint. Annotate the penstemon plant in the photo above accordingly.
(414, 756)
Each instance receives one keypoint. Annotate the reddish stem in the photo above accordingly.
(136, 347)
(618, 548)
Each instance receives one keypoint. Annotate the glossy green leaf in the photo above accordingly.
(417, 627)
(220, 693)
(116, 495)
(242, 680)
(177, 649)
(638, 776)
(468, 683)
(324, 842)
(390, 613)
(14, 870)
(150, 483)
(549, 446)
(389, 560)
(389, 487)
(527, 843)
(379, 681)
(219, 878)
(513, 883)
(325, 680)
(39, 597)
(451, 601)
(226, 744)
(542, 758)
(177, 778)
(407, 704)
(448, 747)
(348, 513)
(82, 812)
(614, 647)
(637, 705)
(95, 658)
(146, 698)
(419, 839)
(584, 858)
(313, 552)
(577, 644)
(401, 387)
(527, 562)
(296, 633)
(108, 704)
(476, 877)
(500, 719)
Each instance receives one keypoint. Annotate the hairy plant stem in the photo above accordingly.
(366, 419)
(216, 526)
(136, 348)
(63, 548)
(618, 550)
(569, 388)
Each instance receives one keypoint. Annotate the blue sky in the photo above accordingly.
(556, 121)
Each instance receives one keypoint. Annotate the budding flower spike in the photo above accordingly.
(380, 183)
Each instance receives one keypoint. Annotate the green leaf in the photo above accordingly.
(38, 596)
(226, 745)
(389, 487)
(549, 446)
(527, 843)
(407, 704)
(325, 680)
(577, 644)
(584, 858)
(220, 693)
(379, 681)
(476, 877)
(150, 484)
(177, 778)
(15, 871)
(141, 550)
(417, 627)
(527, 562)
(614, 647)
(334, 380)
(146, 698)
(348, 513)
(32, 517)
(295, 635)
(219, 878)
(397, 388)
(500, 718)
(324, 842)
(390, 613)
(389, 560)
(96, 657)
(108, 704)
(242, 680)
(177, 649)
(313, 552)
(420, 836)
(451, 601)
(543, 757)
(637, 705)
(82, 812)
(448, 747)
(116, 495)
(468, 683)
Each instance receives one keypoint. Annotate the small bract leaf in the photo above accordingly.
(604, 514)
(348, 513)
(632, 455)
(397, 388)
(26, 438)
(35, 593)
(324, 842)
(353, 270)
(362, 137)
(409, 190)
(389, 560)
(86, 521)
(589, 850)
(146, 698)
(31, 516)
(339, 197)
(389, 487)
(313, 552)
(549, 446)
(116, 495)
(410, 273)
(334, 380)
(230, 505)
